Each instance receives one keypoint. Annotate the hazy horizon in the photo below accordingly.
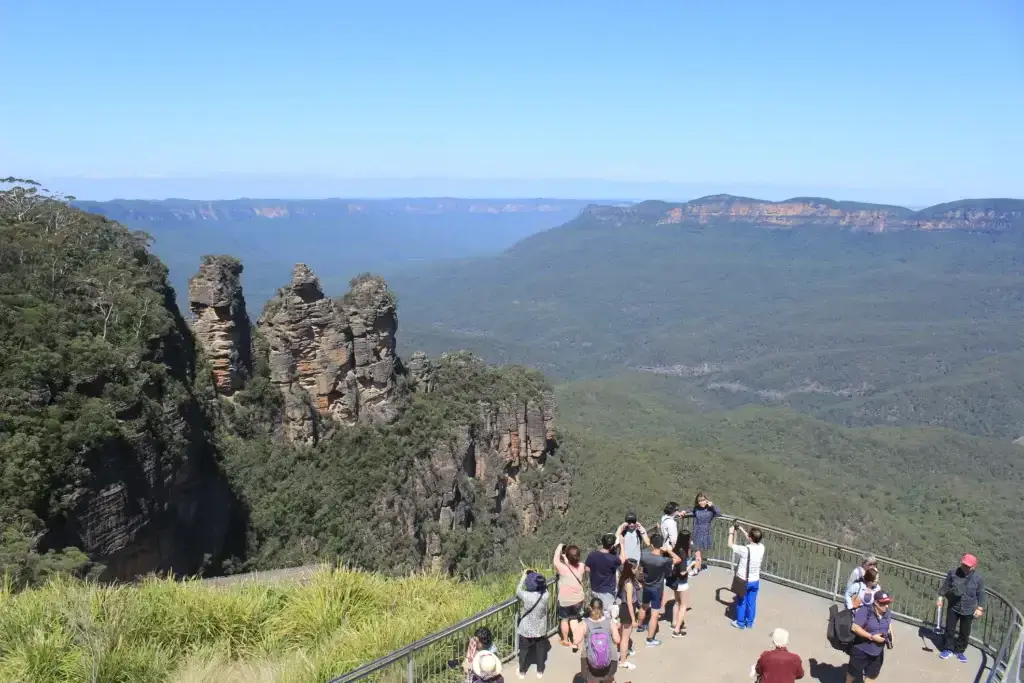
(298, 187)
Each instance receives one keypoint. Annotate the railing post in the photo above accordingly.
(939, 628)
(839, 570)
(410, 669)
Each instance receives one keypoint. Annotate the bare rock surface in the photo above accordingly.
(334, 361)
(221, 323)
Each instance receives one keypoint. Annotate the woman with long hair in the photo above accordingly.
(630, 590)
(703, 513)
(679, 582)
(599, 639)
(570, 593)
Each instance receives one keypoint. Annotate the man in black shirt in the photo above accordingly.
(603, 565)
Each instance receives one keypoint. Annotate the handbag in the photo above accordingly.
(739, 586)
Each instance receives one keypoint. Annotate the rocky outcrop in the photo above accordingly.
(494, 465)
(334, 361)
(970, 214)
(221, 324)
(419, 369)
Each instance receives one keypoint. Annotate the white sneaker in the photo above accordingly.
(540, 675)
(521, 674)
(628, 665)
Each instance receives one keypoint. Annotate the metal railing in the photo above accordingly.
(801, 562)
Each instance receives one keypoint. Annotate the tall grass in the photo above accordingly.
(162, 630)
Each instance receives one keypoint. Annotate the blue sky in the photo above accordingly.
(924, 100)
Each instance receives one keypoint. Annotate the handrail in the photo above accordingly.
(811, 565)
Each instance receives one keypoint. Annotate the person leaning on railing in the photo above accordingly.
(964, 591)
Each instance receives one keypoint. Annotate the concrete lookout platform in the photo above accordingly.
(713, 651)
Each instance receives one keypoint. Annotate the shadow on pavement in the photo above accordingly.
(826, 673)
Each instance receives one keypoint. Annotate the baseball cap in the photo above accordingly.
(969, 560)
(631, 517)
(883, 598)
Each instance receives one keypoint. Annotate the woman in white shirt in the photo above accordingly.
(862, 591)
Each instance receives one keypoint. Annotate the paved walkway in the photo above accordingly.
(715, 652)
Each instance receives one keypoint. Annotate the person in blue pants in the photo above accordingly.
(747, 582)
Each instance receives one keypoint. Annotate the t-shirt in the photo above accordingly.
(756, 551)
(868, 619)
(570, 584)
(669, 529)
(656, 568)
(631, 542)
(602, 571)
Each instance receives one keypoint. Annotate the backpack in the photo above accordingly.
(840, 633)
(599, 650)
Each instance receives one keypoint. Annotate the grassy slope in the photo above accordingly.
(70, 632)
(919, 493)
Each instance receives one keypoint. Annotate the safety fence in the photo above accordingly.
(800, 562)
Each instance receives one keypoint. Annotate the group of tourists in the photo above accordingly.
(637, 575)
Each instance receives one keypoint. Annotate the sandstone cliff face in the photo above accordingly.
(221, 323)
(981, 214)
(334, 362)
(495, 464)
(154, 499)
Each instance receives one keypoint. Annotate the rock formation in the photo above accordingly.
(495, 463)
(221, 323)
(334, 361)
(969, 214)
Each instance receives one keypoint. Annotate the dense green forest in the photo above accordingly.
(861, 329)
(923, 494)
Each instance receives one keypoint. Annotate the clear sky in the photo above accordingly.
(920, 97)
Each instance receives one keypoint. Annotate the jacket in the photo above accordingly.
(971, 588)
(779, 666)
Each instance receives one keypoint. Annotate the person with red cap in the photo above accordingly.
(964, 592)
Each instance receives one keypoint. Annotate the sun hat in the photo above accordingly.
(486, 664)
(969, 560)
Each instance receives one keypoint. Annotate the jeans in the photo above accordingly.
(746, 607)
(537, 648)
(957, 642)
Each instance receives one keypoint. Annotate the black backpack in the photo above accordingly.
(840, 628)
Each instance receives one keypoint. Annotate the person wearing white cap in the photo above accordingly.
(487, 667)
(779, 665)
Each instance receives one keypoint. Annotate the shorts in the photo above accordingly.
(570, 612)
(624, 619)
(653, 596)
(866, 665)
(589, 674)
(608, 600)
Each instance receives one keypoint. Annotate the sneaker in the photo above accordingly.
(653, 642)
(641, 628)
(628, 665)
(678, 634)
(632, 652)
(738, 625)
(540, 674)
(961, 657)
(945, 654)
(521, 674)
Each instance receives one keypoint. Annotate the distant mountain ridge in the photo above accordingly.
(966, 214)
(241, 209)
